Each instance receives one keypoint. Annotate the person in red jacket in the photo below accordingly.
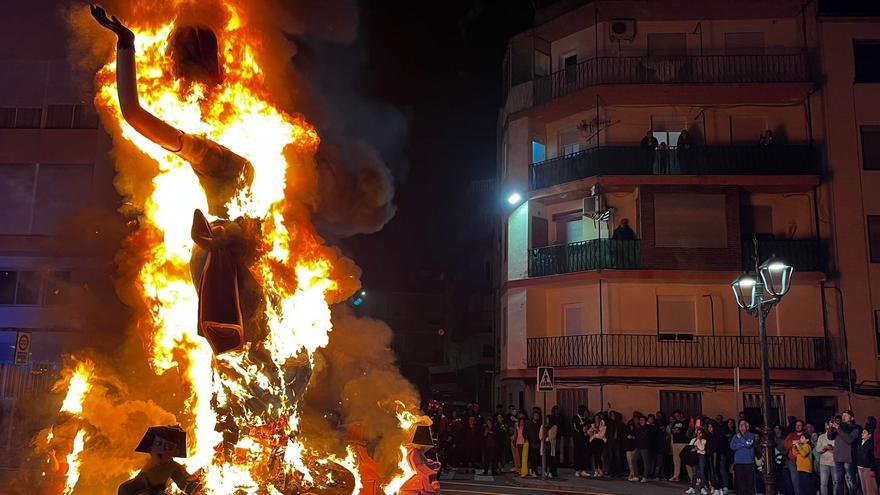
(790, 439)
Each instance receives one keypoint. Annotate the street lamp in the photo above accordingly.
(758, 295)
(514, 198)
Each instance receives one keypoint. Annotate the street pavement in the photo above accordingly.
(566, 484)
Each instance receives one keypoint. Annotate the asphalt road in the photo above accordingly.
(506, 485)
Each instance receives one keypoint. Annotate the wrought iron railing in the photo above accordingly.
(651, 351)
(803, 254)
(704, 69)
(595, 254)
(699, 160)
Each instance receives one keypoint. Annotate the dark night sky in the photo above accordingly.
(440, 63)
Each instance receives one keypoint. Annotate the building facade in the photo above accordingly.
(763, 145)
(59, 229)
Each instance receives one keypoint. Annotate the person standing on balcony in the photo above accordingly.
(662, 160)
(623, 232)
(682, 152)
(743, 446)
(649, 146)
(767, 138)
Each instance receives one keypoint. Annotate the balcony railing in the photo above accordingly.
(802, 254)
(595, 254)
(700, 160)
(650, 351)
(704, 69)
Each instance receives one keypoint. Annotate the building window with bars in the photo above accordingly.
(71, 116)
(20, 118)
(752, 407)
(690, 403)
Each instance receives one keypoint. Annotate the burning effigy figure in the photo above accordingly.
(228, 293)
(163, 443)
(424, 481)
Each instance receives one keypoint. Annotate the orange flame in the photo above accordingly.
(293, 267)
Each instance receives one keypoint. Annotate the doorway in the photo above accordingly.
(818, 408)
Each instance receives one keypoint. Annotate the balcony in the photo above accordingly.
(605, 254)
(650, 351)
(702, 160)
(704, 69)
(595, 254)
(802, 254)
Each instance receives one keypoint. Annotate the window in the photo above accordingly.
(572, 316)
(539, 152)
(690, 403)
(16, 197)
(71, 116)
(61, 190)
(569, 62)
(676, 317)
(569, 141)
(744, 43)
(690, 220)
(20, 287)
(28, 288)
(870, 136)
(667, 44)
(668, 129)
(8, 280)
(28, 118)
(874, 237)
(752, 407)
(59, 116)
(865, 56)
(7, 118)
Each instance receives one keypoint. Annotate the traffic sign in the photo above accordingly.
(22, 348)
(545, 379)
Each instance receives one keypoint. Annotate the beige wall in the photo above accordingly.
(631, 308)
(721, 399)
(852, 190)
(792, 214)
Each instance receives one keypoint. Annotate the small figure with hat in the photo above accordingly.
(163, 443)
(424, 482)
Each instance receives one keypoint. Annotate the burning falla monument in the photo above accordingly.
(233, 292)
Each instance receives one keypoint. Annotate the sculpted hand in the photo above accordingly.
(123, 34)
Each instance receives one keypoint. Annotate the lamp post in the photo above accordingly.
(758, 294)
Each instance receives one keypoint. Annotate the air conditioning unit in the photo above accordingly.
(593, 206)
(622, 29)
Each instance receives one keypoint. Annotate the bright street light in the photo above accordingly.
(514, 198)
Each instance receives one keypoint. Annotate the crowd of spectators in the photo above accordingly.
(714, 455)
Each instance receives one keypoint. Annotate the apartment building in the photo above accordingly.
(59, 228)
(764, 143)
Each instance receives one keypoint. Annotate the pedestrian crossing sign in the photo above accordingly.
(545, 379)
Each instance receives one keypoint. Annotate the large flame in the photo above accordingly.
(292, 267)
